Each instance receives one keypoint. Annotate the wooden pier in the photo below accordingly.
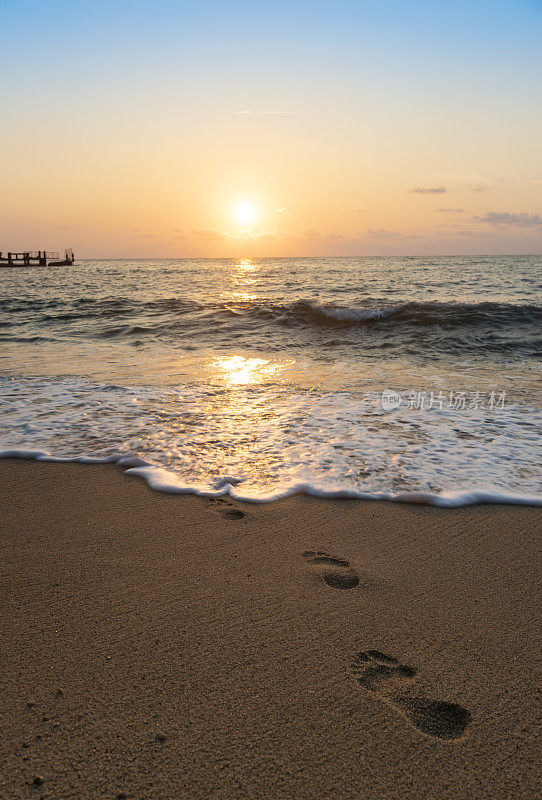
(37, 258)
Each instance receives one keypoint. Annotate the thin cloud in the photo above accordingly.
(522, 220)
(380, 233)
(450, 210)
(264, 113)
(429, 190)
(256, 235)
(471, 179)
(311, 233)
(469, 234)
(214, 235)
(210, 234)
(281, 211)
(315, 235)
(256, 112)
(145, 233)
(478, 188)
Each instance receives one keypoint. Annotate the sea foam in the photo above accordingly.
(164, 481)
(263, 443)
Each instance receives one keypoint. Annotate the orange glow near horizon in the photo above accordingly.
(351, 134)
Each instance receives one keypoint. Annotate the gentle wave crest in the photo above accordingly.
(303, 310)
(399, 327)
(265, 377)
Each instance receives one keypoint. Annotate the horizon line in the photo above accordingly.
(366, 255)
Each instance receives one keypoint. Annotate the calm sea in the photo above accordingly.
(259, 377)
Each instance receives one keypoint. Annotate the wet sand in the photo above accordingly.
(160, 646)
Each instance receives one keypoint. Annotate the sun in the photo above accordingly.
(244, 212)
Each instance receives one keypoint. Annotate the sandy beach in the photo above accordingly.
(158, 646)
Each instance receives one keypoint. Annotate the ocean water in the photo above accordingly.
(262, 377)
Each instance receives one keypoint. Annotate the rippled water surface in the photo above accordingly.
(258, 376)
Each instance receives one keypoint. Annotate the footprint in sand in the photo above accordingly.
(335, 571)
(233, 513)
(385, 677)
(228, 510)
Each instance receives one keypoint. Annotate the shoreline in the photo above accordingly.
(165, 481)
(210, 648)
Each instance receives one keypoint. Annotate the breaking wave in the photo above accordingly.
(303, 312)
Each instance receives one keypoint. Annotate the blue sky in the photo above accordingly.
(426, 78)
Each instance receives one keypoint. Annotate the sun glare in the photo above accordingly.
(244, 213)
(242, 371)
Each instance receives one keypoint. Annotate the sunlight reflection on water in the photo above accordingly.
(238, 370)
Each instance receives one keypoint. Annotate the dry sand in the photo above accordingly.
(159, 646)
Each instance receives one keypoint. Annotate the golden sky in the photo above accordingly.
(351, 130)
